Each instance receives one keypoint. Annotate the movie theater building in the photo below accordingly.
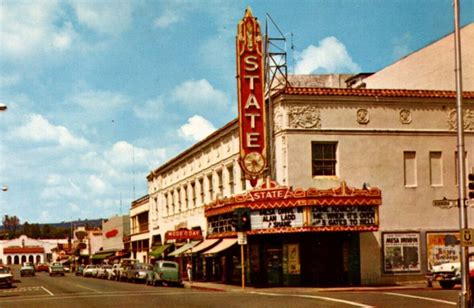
(355, 173)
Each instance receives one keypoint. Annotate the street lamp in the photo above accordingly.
(3, 107)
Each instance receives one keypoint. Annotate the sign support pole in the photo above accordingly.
(242, 265)
(464, 296)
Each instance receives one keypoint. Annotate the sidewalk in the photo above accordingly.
(214, 286)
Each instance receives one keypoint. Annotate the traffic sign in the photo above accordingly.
(445, 203)
(467, 237)
(242, 238)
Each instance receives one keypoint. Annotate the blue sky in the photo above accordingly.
(101, 92)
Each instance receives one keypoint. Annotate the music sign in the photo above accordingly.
(250, 87)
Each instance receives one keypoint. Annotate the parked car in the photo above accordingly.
(90, 270)
(124, 267)
(27, 269)
(102, 271)
(6, 276)
(42, 267)
(56, 268)
(447, 274)
(80, 270)
(114, 273)
(164, 273)
(138, 272)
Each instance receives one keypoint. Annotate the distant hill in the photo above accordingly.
(68, 224)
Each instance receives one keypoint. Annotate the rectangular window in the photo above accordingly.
(409, 159)
(201, 190)
(193, 193)
(211, 191)
(436, 169)
(220, 186)
(324, 158)
(230, 172)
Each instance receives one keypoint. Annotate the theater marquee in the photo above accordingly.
(250, 87)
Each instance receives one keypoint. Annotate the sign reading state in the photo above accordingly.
(250, 85)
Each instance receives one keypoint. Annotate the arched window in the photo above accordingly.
(23, 259)
(38, 259)
(9, 260)
(16, 260)
(31, 259)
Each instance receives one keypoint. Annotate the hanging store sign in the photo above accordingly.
(350, 216)
(250, 85)
(277, 218)
(184, 235)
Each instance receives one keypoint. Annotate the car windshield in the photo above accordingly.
(170, 265)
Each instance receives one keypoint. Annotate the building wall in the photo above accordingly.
(426, 69)
(119, 223)
(373, 153)
(179, 192)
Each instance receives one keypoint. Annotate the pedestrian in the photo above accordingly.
(189, 270)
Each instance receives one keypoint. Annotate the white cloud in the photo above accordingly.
(151, 110)
(200, 94)
(96, 184)
(65, 188)
(31, 28)
(166, 19)
(100, 101)
(330, 56)
(124, 155)
(38, 129)
(105, 17)
(197, 128)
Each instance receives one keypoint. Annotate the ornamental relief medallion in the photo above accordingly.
(304, 117)
(405, 116)
(363, 116)
(468, 119)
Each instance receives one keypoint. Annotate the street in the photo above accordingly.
(77, 291)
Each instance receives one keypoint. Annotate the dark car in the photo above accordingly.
(164, 273)
(80, 270)
(27, 269)
(6, 276)
(42, 267)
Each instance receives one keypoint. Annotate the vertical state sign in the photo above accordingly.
(250, 87)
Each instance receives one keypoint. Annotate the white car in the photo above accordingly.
(6, 276)
(447, 274)
(90, 270)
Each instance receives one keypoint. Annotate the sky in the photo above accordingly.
(99, 93)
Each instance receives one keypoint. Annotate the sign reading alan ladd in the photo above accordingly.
(250, 87)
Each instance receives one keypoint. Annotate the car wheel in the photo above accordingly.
(446, 284)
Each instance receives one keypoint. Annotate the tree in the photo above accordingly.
(10, 224)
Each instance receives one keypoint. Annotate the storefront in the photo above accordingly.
(298, 237)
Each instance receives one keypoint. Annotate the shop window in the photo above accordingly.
(409, 162)
(436, 169)
(324, 158)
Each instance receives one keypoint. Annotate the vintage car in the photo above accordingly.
(56, 268)
(447, 274)
(138, 272)
(90, 270)
(42, 267)
(103, 271)
(80, 270)
(6, 276)
(27, 269)
(164, 273)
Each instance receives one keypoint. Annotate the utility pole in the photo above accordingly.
(464, 296)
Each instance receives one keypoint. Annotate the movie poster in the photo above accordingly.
(401, 252)
(442, 247)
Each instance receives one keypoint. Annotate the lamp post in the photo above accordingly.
(3, 107)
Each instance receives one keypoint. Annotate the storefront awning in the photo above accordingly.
(182, 249)
(206, 244)
(225, 244)
(159, 250)
(101, 256)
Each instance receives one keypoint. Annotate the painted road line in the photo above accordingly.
(422, 298)
(90, 289)
(47, 291)
(329, 299)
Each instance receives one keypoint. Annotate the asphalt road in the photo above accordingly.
(76, 291)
